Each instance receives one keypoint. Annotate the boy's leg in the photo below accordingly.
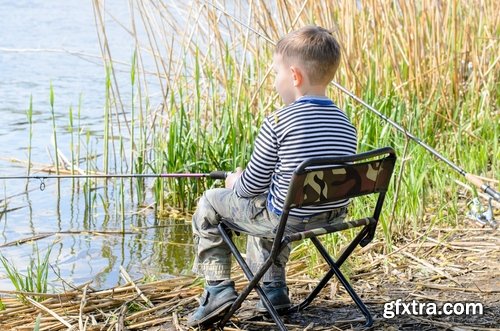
(213, 257)
(258, 250)
(274, 280)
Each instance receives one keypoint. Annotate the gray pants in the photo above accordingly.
(213, 257)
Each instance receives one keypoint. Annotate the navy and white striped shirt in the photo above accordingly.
(309, 127)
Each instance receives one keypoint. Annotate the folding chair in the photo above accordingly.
(317, 181)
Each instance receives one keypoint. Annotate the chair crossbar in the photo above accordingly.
(329, 229)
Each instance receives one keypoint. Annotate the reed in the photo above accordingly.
(424, 64)
(71, 131)
(107, 108)
(37, 322)
(133, 149)
(54, 127)
(29, 115)
(76, 150)
(3, 202)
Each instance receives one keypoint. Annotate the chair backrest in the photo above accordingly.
(325, 179)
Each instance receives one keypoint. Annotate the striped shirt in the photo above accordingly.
(309, 127)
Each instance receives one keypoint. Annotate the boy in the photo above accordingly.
(305, 62)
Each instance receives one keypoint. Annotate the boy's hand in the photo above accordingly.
(232, 177)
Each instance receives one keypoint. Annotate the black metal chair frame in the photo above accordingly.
(376, 166)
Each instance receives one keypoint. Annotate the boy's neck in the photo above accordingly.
(312, 96)
(317, 90)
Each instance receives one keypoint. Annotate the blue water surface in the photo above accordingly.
(55, 43)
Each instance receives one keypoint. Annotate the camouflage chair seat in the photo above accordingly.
(314, 182)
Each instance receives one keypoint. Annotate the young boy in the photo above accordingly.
(305, 62)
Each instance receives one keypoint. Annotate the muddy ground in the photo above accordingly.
(340, 314)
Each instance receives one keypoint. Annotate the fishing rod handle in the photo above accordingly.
(218, 174)
(486, 188)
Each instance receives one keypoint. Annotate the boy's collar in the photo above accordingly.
(316, 99)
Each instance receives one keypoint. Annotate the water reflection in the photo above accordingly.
(91, 242)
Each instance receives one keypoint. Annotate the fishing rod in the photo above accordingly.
(470, 177)
(485, 187)
(213, 175)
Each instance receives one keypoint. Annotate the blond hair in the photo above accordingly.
(316, 49)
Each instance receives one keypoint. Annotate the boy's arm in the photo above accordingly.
(256, 178)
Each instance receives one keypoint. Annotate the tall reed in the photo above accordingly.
(29, 115)
(107, 108)
(54, 127)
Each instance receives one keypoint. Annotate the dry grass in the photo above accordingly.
(447, 265)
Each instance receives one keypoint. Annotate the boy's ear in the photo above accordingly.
(297, 76)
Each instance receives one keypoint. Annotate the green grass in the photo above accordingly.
(35, 279)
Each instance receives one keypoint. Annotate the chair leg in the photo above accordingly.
(253, 284)
(335, 268)
(307, 301)
(347, 251)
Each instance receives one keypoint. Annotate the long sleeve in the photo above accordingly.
(257, 176)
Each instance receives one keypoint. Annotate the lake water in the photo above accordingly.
(55, 42)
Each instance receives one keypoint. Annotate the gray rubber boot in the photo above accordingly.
(214, 303)
(277, 292)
